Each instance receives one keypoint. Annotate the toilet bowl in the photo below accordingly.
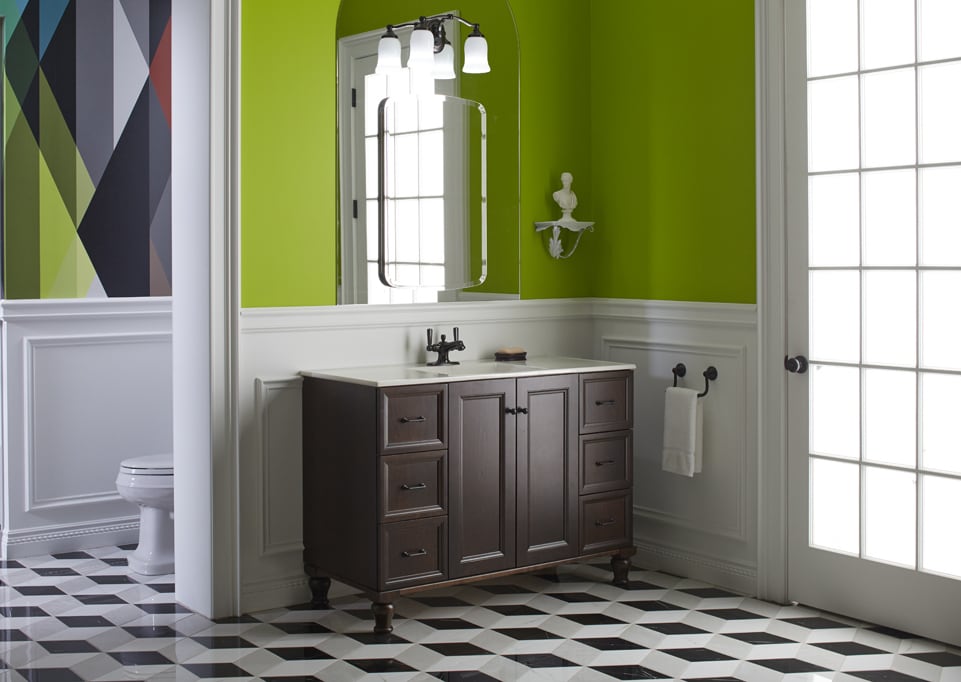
(149, 482)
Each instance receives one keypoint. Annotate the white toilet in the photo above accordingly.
(149, 482)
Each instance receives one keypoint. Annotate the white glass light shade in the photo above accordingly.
(475, 55)
(421, 49)
(444, 63)
(388, 55)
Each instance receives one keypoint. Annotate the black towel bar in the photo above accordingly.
(710, 374)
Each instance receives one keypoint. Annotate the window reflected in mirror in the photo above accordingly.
(432, 193)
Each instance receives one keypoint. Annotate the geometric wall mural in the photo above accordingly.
(86, 188)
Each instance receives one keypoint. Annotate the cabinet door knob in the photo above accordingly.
(409, 420)
(415, 486)
(604, 402)
(605, 522)
(510, 410)
(416, 552)
(521, 410)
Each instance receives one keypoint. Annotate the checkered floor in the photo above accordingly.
(84, 616)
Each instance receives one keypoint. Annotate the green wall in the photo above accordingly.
(649, 103)
(287, 146)
(673, 149)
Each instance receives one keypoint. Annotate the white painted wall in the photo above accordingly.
(705, 527)
(87, 385)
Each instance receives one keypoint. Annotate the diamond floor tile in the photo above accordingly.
(84, 616)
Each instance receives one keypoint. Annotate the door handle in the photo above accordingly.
(796, 365)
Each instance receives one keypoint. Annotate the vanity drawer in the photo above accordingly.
(606, 460)
(606, 401)
(412, 418)
(605, 521)
(413, 485)
(413, 552)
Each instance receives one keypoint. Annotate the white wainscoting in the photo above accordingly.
(704, 528)
(87, 384)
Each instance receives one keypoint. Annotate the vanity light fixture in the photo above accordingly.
(429, 47)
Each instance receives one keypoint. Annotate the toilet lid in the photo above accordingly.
(149, 465)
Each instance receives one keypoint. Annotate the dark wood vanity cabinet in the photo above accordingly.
(416, 486)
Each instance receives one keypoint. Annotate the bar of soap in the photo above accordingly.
(510, 353)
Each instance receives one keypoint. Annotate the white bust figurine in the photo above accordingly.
(565, 197)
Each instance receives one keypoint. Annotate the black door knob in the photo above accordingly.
(796, 365)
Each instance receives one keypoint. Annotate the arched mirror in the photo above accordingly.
(360, 25)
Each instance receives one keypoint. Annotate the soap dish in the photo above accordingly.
(510, 354)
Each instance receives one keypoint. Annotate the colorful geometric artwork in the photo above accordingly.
(87, 154)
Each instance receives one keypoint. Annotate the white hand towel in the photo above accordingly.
(683, 424)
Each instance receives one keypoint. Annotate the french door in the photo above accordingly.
(874, 293)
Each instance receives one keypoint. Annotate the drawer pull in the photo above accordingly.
(416, 552)
(415, 486)
(411, 420)
(604, 402)
(606, 522)
(603, 462)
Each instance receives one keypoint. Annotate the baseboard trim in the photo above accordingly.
(36, 542)
(722, 573)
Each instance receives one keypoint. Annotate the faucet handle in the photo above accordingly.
(430, 336)
(456, 334)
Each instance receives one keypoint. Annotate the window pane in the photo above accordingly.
(371, 236)
(431, 163)
(405, 164)
(835, 411)
(890, 210)
(834, 505)
(833, 124)
(939, 21)
(940, 445)
(887, 33)
(403, 242)
(890, 410)
(888, 118)
(890, 514)
(940, 106)
(371, 179)
(835, 316)
(941, 509)
(832, 36)
(940, 209)
(375, 89)
(889, 318)
(940, 323)
(834, 217)
(432, 231)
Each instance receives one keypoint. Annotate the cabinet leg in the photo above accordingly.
(383, 617)
(620, 567)
(319, 587)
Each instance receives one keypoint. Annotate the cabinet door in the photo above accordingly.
(547, 471)
(482, 476)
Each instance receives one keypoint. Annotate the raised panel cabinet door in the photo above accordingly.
(482, 476)
(547, 469)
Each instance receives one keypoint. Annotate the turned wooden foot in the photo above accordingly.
(383, 617)
(319, 587)
(620, 567)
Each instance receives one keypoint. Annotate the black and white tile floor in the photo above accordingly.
(83, 616)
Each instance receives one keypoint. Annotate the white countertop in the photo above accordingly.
(469, 370)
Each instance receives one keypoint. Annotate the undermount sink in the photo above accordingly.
(475, 367)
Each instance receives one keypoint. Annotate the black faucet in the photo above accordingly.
(444, 347)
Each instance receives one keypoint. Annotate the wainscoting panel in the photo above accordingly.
(88, 385)
(705, 526)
